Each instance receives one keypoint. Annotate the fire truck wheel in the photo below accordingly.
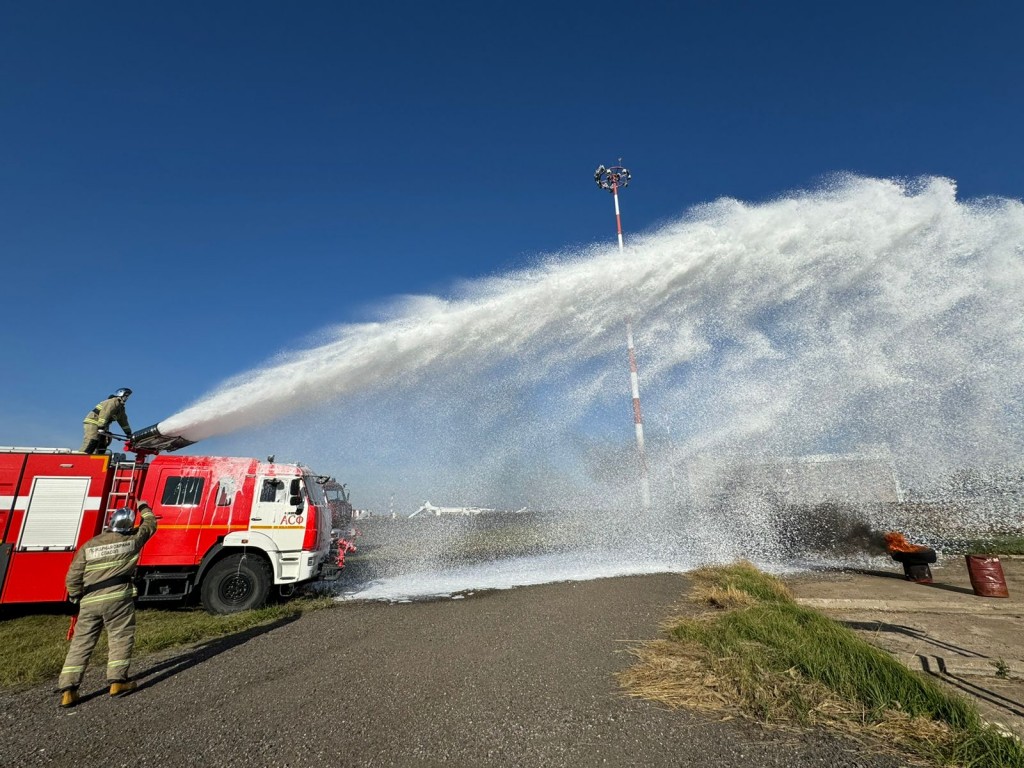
(236, 583)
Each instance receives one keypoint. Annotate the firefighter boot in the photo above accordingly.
(69, 697)
(120, 689)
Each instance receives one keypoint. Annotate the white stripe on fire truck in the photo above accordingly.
(20, 503)
(226, 527)
(92, 504)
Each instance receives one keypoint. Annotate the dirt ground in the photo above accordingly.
(522, 677)
(971, 643)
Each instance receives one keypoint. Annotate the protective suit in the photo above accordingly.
(100, 579)
(99, 418)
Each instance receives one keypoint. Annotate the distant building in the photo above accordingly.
(430, 509)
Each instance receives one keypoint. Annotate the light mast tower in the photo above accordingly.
(611, 179)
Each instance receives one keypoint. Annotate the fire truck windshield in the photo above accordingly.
(315, 492)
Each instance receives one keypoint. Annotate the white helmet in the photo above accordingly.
(123, 392)
(122, 521)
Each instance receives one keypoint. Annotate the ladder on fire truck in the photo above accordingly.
(122, 494)
(122, 486)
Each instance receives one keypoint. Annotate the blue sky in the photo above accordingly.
(189, 188)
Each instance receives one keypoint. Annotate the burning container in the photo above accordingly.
(915, 559)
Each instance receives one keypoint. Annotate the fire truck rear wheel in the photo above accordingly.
(236, 583)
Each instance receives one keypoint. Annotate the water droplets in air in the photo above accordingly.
(861, 343)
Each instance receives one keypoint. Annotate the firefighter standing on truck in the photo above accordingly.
(99, 418)
(100, 579)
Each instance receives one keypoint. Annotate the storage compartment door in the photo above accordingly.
(54, 514)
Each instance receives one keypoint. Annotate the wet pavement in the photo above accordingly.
(971, 643)
(522, 677)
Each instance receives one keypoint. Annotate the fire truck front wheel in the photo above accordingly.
(236, 583)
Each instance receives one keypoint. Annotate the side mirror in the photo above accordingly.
(295, 501)
(295, 488)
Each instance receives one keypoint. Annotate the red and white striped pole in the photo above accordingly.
(611, 179)
(618, 216)
(638, 419)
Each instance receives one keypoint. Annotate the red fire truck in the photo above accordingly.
(338, 502)
(230, 529)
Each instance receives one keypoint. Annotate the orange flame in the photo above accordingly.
(895, 542)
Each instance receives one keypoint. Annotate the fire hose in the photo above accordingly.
(102, 440)
(104, 433)
(74, 617)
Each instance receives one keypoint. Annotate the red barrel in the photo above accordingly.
(987, 576)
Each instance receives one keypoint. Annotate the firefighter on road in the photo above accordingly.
(100, 580)
(99, 418)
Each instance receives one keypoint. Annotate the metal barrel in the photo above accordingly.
(986, 574)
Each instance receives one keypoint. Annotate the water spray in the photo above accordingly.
(611, 179)
(869, 319)
(638, 421)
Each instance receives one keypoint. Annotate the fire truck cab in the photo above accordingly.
(338, 502)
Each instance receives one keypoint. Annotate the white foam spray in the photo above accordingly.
(868, 317)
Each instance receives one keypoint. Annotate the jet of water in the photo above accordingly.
(869, 315)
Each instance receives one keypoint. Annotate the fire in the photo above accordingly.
(895, 542)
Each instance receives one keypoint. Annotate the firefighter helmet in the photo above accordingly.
(123, 392)
(122, 521)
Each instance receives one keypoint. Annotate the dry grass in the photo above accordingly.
(748, 650)
(724, 598)
(681, 677)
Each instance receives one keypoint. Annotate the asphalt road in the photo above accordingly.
(522, 678)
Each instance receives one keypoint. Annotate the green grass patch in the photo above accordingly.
(32, 648)
(752, 648)
(994, 545)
